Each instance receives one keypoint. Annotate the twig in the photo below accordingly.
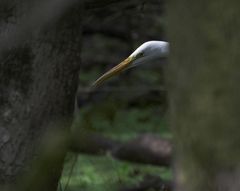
(71, 171)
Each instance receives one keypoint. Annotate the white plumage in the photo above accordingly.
(147, 52)
(158, 48)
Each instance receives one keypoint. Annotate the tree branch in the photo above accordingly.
(145, 149)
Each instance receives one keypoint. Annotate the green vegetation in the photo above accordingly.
(121, 113)
(103, 173)
(115, 124)
(94, 173)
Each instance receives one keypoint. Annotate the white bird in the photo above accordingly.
(147, 52)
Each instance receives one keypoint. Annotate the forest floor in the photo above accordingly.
(104, 173)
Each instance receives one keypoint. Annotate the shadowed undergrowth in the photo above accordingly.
(95, 173)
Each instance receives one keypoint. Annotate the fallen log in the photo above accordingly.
(83, 141)
(150, 182)
(145, 148)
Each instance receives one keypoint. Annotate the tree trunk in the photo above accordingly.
(38, 82)
(204, 93)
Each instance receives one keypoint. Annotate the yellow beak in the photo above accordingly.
(114, 71)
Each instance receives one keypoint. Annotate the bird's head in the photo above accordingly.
(147, 52)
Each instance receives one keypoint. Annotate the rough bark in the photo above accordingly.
(39, 78)
(204, 93)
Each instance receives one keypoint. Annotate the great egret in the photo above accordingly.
(147, 52)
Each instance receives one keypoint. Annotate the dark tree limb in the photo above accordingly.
(146, 148)
(150, 182)
(106, 31)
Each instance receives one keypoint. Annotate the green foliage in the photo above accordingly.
(117, 117)
(93, 173)
(118, 120)
(110, 118)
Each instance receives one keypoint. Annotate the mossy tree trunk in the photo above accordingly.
(38, 82)
(204, 93)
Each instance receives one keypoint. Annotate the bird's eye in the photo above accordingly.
(141, 54)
